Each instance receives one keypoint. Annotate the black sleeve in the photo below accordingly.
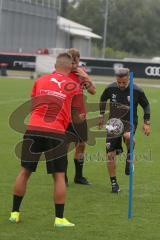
(143, 101)
(103, 100)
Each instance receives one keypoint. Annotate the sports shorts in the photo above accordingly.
(115, 144)
(53, 146)
(77, 132)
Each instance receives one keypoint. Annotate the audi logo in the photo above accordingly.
(152, 71)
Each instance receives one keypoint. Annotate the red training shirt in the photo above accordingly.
(51, 103)
(79, 100)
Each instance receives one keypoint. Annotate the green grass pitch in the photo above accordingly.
(97, 213)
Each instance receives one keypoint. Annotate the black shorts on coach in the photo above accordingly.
(53, 146)
(115, 144)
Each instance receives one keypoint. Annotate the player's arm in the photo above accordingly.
(102, 107)
(143, 101)
(33, 96)
(88, 84)
(33, 93)
(76, 116)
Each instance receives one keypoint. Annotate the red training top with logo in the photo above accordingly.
(79, 100)
(51, 103)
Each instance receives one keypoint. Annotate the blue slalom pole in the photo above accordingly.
(131, 147)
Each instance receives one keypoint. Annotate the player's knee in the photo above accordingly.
(127, 139)
(126, 136)
(110, 157)
(25, 173)
(80, 147)
(59, 176)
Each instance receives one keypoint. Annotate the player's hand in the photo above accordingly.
(146, 129)
(82, 117)
(101, 122)
(81, 73)
(77, 117)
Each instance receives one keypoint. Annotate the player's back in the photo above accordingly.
(51, 102)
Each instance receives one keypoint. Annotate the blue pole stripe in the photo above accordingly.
(131, 147)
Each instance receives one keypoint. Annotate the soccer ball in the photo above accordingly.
(114, 127)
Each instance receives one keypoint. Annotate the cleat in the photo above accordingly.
(15, 217)
(115, 188)
(81, 180)
(63, 222)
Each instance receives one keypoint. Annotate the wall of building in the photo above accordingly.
(26, 27)
(49, 3)
(84, 45)
(65, 40)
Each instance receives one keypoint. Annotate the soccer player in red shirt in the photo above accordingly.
(79, 75)
(51, 114)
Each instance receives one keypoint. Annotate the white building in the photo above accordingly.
(72, 34)
(28, 25)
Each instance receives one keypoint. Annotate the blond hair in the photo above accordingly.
(74, 53)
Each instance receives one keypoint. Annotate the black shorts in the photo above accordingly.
(77, 132)
(53, 146)
(115, 144)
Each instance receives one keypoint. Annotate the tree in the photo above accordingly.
(89, 13)
(133, 26)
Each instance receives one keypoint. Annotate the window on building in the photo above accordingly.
(48, 3)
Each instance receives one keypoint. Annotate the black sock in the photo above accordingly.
(78, 167)
(59, 209)
(16, 203)
(113, 180)
(128, 155)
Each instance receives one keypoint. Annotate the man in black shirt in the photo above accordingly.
(118, 93)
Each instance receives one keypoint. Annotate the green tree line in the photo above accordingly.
(133, 25)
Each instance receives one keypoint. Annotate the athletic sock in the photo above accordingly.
(16, 203)
(128, 156)
(59, 210)
(79, 167)
(113, 180)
